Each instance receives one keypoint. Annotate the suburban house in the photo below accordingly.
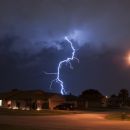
(27, 100)
(72, 99)
(38, 100)
(85, 104)
(115, 101)
(91, 98)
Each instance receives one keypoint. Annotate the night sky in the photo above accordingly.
(32, 41)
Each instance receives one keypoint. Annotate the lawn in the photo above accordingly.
(119, 116)
(11, 127)
(11, 112)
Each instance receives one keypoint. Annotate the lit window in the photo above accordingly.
(9, 102)
(0, 103)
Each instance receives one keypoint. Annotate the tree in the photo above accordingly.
(113, 96)
(123, 96)
(91, 95)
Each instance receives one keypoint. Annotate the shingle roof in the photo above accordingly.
(21, 95)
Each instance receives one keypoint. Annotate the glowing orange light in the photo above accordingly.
(128, 59)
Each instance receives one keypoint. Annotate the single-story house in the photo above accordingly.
(27, 100)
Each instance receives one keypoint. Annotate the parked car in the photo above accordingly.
(65, 106)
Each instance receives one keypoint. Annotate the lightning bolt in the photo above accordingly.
(68, 60)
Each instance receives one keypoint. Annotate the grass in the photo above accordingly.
(119, 116)
(12, 127)
(11, 112)
(46, 112)
(16, 127)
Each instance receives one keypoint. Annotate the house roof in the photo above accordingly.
(24, 95)
(71, 97)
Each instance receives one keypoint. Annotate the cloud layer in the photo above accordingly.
(39, 24)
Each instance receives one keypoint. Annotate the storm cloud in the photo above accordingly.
(41, 23)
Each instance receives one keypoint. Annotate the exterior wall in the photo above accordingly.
(24, 104)
(113, 102)
(55, 100)
(41, 104)
(94, 104)
(82, 105)
(9, 104)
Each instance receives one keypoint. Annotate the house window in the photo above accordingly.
(9, 103)
(0, 103)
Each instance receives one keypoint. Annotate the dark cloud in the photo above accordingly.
(47, 20)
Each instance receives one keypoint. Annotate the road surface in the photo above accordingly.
(67, 122)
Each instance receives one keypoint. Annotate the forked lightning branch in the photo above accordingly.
(68, 61)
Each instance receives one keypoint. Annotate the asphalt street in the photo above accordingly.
(67, 122)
